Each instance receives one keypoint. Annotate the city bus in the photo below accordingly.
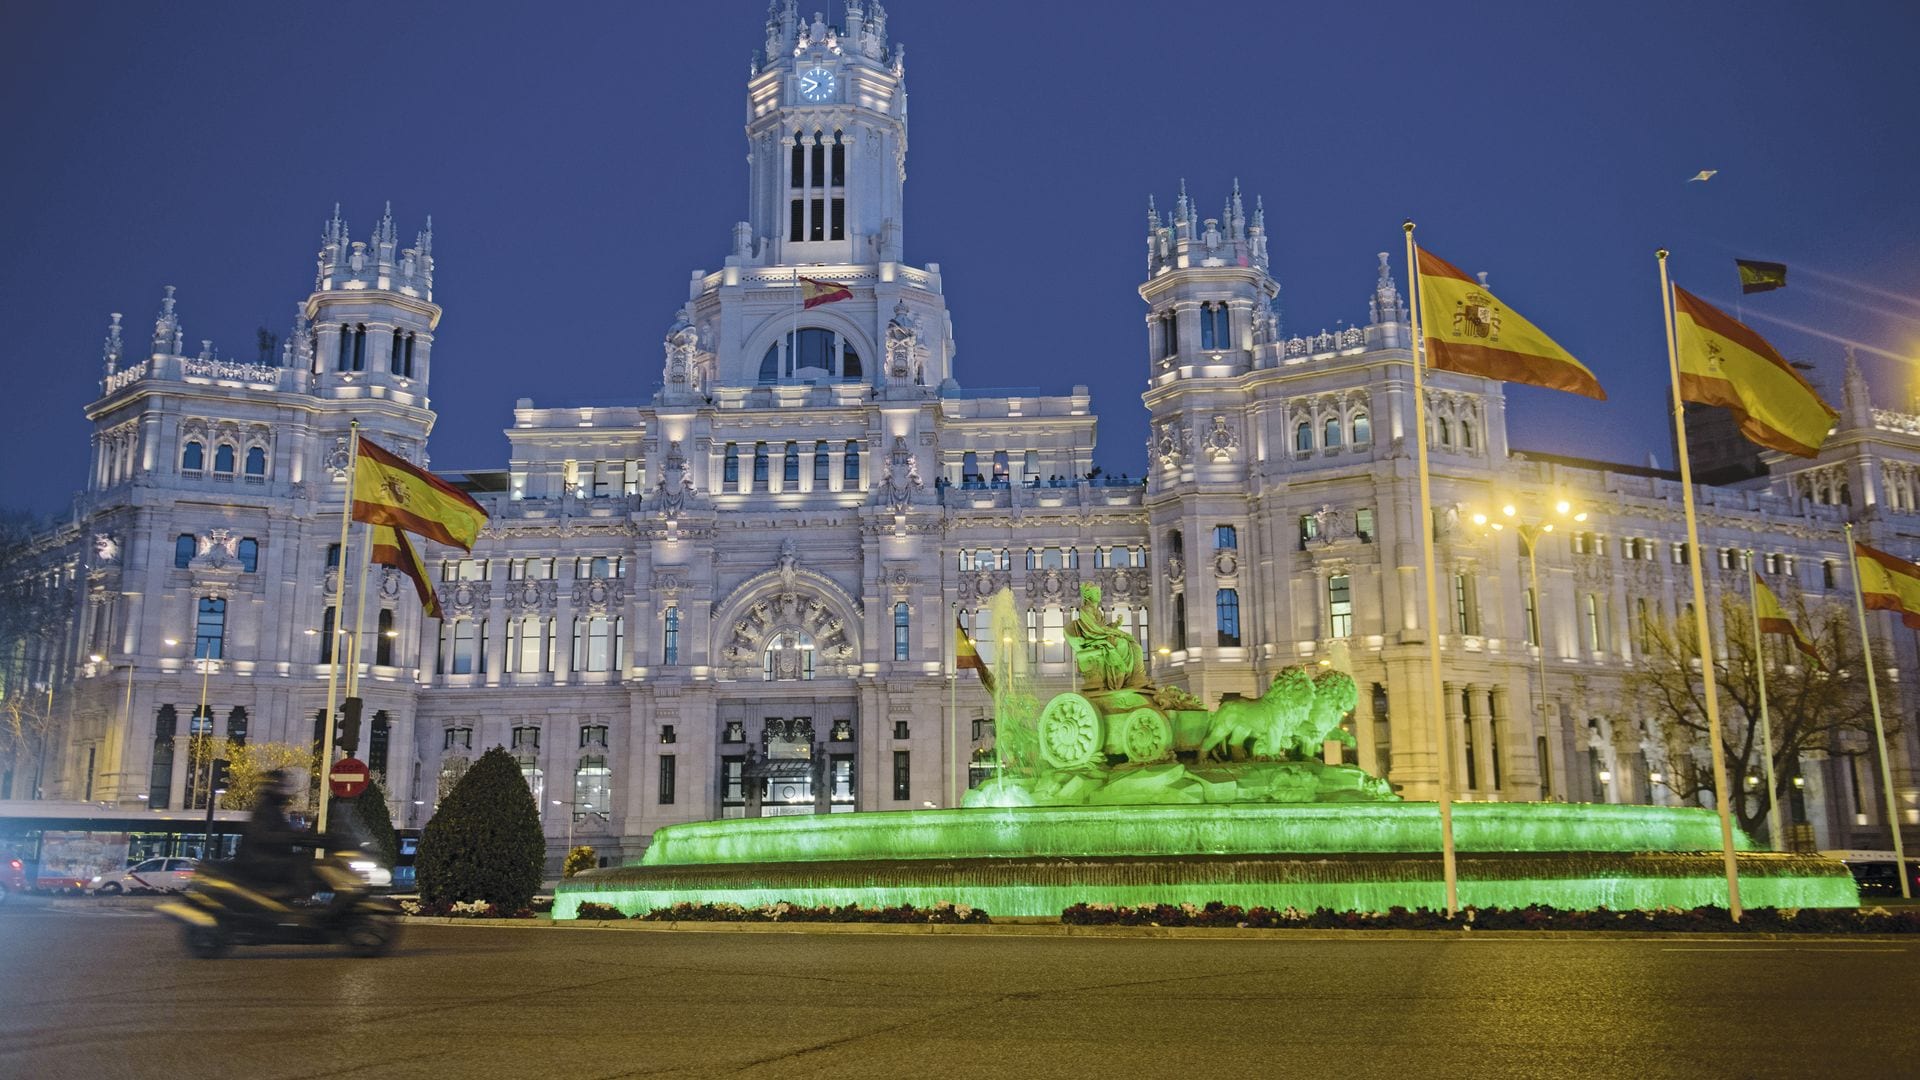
(64, 844)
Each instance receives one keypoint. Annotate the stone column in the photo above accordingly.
(1484, 743)
(1455, 728)
(177, 786)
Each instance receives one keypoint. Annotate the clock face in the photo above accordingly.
(817, 83)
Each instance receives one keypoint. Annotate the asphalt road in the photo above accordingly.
(109, 995)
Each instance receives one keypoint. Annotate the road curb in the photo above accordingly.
(1202, 933)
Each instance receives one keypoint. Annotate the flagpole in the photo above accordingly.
(953, 713)
(1443, 743)
(1766, 726)
(1723, 795)
(1879, 726)
(333, 644)
(360, 612)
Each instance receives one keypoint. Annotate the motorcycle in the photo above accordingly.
(222, 909)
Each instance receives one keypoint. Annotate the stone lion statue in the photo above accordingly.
(1293, 719)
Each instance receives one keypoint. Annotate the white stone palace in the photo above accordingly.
(735, 595)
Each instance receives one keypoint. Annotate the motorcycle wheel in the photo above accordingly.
(208, 942)
(370, 935)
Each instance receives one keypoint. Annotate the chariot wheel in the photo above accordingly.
(1143, 735)
(1069, 732)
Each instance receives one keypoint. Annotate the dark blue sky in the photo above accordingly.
(580, 160)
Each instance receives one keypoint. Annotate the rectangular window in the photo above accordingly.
(592, 786)
(733, 781)
(790, 467)
(671, 636)
(797, 223)
(1363, 524)
(818, 227)
(1227, 610)
(593, 735)
(1465, 619)
(327, 635)
(839, 221)
(210, 629)
(730, 469)
(1340, 606)
(821, 464)
(666, 778)
(1309, 528)
(902, 775)
(902, 637)
(1180, 622)
(850, 468)
(841, 778)
(839, 175)
(799, 172)
(463, 647)
(383, 645)
(1053, 636)
(760, 462)
(1225, 537)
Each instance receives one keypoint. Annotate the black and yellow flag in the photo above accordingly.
(1757, 276)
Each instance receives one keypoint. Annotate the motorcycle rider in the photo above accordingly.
(272, 852)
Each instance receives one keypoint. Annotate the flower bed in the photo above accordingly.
(1770, 920)
(475, 909)
(942, 912)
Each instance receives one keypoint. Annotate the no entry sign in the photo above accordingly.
(347, 778)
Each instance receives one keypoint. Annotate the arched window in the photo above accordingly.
(760, 462)
(817, 350)
(1226, 603)
(1207, 339)
(1362, 427)
(789, 657)
(790, 466)
(970, 468)
(1446, 432)
(1180, 622)
(670, 653)
(398, 355)
(821, 463)
(730, 468)
(223, 459)
(237, 725)
(1303, 437)
(1466, 435)
(185, 547)
(360, 347)
(1176, 544)
(248, 551)
(193, 456)
(406, 366)
(1331, 432)
(256, 462)
(345, 360)
(850, 474)
(999, 467)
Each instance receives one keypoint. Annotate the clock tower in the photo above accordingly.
(827, 126)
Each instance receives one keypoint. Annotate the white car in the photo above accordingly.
(153, 875)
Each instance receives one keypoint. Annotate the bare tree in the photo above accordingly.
(1814, 710)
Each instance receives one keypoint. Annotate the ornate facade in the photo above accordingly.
(736, 595)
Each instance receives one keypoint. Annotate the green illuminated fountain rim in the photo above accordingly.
(1199, 829)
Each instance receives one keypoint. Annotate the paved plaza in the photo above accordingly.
(109, 994)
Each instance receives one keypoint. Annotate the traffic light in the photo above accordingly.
(222, 775)
(347, 736)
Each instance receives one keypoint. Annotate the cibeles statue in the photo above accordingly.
(1120, 739)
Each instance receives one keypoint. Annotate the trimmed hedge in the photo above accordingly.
(484, 842)
(1759, 920)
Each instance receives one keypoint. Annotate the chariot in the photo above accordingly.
(1088, 728)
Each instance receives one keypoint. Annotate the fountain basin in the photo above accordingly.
(1039, 860)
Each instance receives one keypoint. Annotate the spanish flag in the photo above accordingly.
(1773, 618)
(1469, 331)
(392, 548)
(966, 656)
(813, 293)
(1888, 583)
(389, 491)
(1723, 362)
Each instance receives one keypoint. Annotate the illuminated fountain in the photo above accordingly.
(1117, 791)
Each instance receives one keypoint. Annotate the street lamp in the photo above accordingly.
(1530, 527)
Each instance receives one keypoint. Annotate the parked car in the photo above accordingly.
(13, 875)
(153, 875)
(1876, 872)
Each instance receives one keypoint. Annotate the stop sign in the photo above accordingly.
(347, 778)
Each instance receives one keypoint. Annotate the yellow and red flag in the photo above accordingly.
(387, 490)
(1773, 618)
(1469, 331)
(1888, 583)
(814, 292)
(1723, 362)
(965, 655)
(390, 547)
